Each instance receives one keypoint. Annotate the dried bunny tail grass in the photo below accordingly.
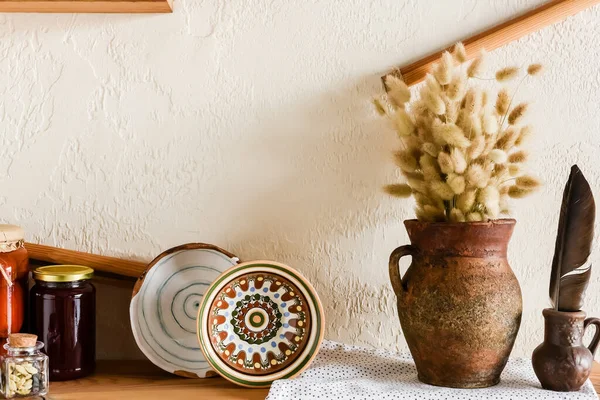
(470, 123)
(456, 182)
(405, 160)
(403, 123)
(443, 70)
(503, 190)
(490, 123)
(398, 93)
(445, 162)
(413, 143)
(430, 213)
(518, 157)
(379, 107)
(476, 66)
(457, 216)
(490, 143)
(459, 160)
(500, 171)
(502, 102)
(459, 53)
(398, 190)
(477, 176)
(474, 217)
(473, 101)
(524, 135)
(506, 74)
(476, 148)
(534, 69)
(508, 139)
(457, 87)
(514, 170)
(430, 168)
(466, 200)
(485, 98)
(517, 113)
(433, 101)
(432, 84)
(490, 198)
(517, 192)
(452, 110)
(498, 156)
(417, 185)
(528, 182)
(441, 189)
(450, 134)
(430, 148)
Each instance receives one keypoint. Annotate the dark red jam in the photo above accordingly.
(64, 318)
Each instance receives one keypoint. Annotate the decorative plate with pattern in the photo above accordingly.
(260, 321)
(165, 304)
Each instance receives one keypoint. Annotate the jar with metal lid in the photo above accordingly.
(24, 367)
(63, 308)
(13, 279)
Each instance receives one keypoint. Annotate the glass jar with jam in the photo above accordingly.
(63, 309)
(24, 367)
(14, 273)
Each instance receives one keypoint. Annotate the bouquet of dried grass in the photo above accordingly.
(461, 149)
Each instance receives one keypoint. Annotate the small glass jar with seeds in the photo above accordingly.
(24, 367)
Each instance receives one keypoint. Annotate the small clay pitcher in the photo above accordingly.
(562, 363)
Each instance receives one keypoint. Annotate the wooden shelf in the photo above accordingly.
(137, 380)
(86, 6)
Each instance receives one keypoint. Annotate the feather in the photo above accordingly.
(570, 277)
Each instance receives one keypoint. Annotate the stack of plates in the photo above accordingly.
(196, 310)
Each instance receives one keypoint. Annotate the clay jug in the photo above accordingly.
(562, 363)
(459, 302)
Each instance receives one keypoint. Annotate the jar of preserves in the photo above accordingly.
(24, 367)
(14, 273)
(63, 308)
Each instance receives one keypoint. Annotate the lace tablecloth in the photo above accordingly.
(343, 372)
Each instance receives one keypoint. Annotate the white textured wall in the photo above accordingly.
(247, 124)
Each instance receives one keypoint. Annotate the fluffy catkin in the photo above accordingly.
(443, 71)
(506, 74)
(466, 200)
(490, 198)
(534, 69)
(452, 110)
(430, 168)
(517, 114)
(430, 148)
(379, 107)
(490, 123)
(431, 213)
(524, 135)
(517, 192)
(442, 190)
(502, 102)
(456, 215)
(476, 66)
(498, 156)
(456, 183)
(477, 147)
(473, 101)
(398, 190)
(527, 182)
(450, 134)
(474, 217)
(514, 170)
(476, 176)
(417, 185)
(398, 93)
(508, 139)
(445, 162)
(433, 101)
(403, 123)
(405, 160)
(456, 88)
(458, 159)
(518, 157)
(459, 53)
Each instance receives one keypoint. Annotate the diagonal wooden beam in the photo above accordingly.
(536, 19)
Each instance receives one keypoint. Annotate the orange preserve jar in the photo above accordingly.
(14, 274)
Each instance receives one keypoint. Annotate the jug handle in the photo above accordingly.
(594, 344)
(395, 278)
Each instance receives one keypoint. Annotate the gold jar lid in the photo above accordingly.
(62, 273)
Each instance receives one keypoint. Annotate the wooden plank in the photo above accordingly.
(113, 265)
(137, 380)
(500, 35)
(86, 6)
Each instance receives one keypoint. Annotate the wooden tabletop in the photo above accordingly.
(137, 380)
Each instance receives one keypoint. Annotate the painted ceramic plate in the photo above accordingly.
(165, 303)
(260, 321)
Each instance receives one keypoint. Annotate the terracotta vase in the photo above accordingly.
(562, 363)
(459, 302)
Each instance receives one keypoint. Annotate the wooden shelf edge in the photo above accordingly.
(111, 265)
(87, 6)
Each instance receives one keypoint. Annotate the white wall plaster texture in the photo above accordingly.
(248, 125)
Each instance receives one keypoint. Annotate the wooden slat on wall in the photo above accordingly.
(111, 265)
(536, 19)
(86, 6)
